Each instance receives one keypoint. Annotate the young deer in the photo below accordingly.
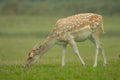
(70, 30)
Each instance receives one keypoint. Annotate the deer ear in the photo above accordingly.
(36, 47)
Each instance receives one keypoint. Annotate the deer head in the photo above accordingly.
(33, 55)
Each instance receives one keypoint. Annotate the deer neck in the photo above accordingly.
(47, 44)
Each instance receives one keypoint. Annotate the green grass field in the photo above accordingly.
(18, 34)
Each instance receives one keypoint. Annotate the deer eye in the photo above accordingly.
(29, 58)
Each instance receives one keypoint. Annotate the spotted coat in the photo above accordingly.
(76, 22)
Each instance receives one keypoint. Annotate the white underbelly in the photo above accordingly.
(78, 35)
(81, 35)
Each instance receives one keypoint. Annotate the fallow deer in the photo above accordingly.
(70, 30)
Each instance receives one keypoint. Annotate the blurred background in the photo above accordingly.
(59, 7)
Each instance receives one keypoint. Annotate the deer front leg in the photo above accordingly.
(74, 46)
(63, 56)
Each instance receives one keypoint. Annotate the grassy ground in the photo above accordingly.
(18, 34)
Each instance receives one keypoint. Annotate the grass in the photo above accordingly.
(18, 34)
(56, 72)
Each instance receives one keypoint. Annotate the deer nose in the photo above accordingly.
(27, 64)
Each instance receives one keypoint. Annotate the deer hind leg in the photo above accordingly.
(103, 54)
(95, 39)
(74, 46)
(63, 56)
